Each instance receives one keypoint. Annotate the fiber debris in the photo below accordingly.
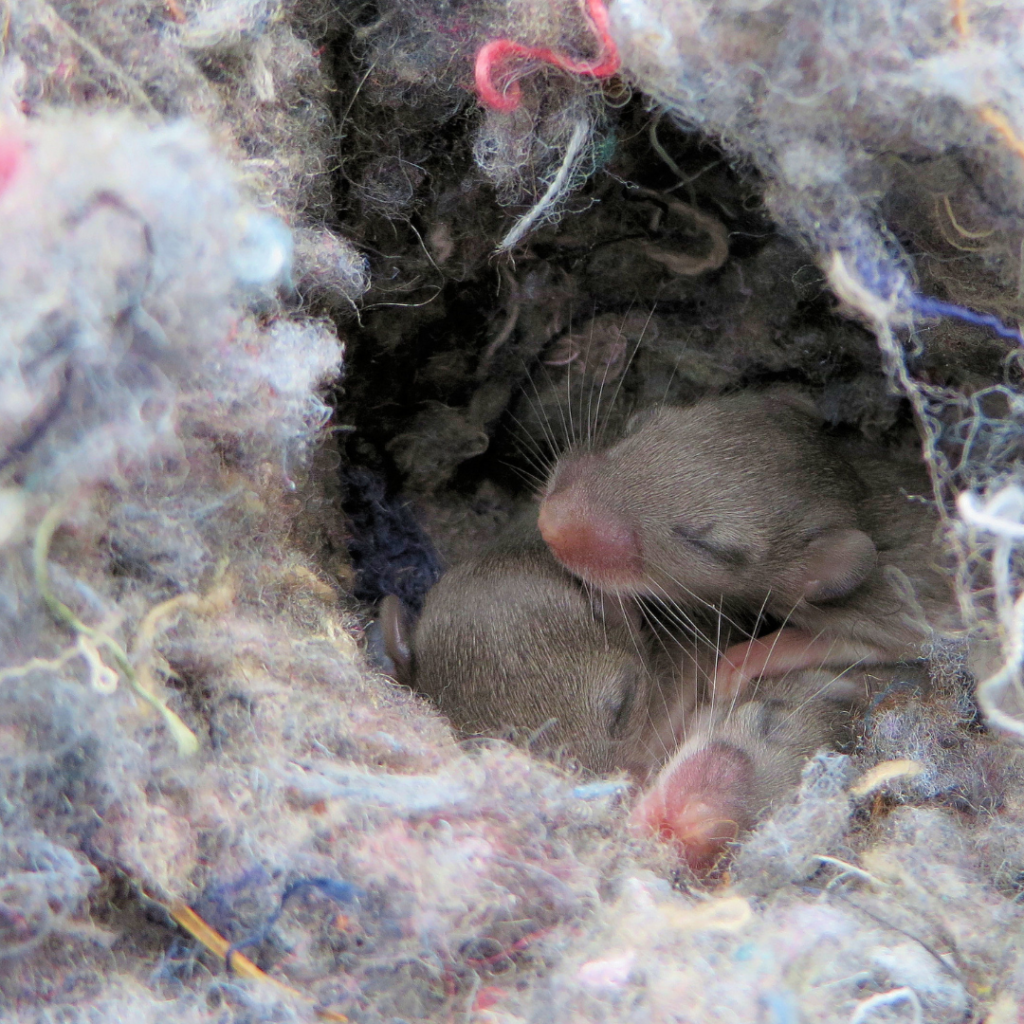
(855, 133)
(200, 200)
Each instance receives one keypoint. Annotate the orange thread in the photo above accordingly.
(499, 51)
(992, 117)
(1003, 127)
(188, 919)
(175, 12)
(517, 947)
(960, 17)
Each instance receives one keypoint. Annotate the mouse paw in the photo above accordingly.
(785, 650)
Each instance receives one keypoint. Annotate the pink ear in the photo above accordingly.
(394, 626)
(837, 563)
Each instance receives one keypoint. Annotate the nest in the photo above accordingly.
(292, 320)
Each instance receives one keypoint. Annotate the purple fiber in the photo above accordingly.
(927, 306)
(882, 280)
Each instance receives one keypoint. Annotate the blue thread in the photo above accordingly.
(886, 277)
(600, 790)
(884, 281)
(927, 306)
(339, 892)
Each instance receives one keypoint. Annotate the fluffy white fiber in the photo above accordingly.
(189, 728)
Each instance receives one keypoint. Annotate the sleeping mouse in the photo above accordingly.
(747, 500)
(509, 642)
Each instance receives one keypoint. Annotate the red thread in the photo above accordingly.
(517, 947)
(488, 996)
(500, 50)
(12, 153)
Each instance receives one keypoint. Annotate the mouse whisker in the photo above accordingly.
(573, 439)
(542, 419)
(664, 598)
(567, 434)
(671, 707)
(675, 614)
(671, 378)
(594, 421)
(631, 627)
(527, 477)
(536, 465)
(820, 690)
(673, 609)
(761, 617)
(538, 734)
(590, 391)
(673, 617)
(629, 362)
(527, 474)
(543, 460)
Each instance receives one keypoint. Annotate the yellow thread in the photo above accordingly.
(102, 678)
(183, 735)
(39, 664)
(726, 914)
(1002, 125)
(960, 229)
(989, 115)
(885, 772)
(188, 919)
(158, 619)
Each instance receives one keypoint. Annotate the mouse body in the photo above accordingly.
(746, 500)
(738, 760)
(509, 643)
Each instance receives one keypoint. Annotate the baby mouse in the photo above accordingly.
(737, 761)
(509, 640)
(745, 499)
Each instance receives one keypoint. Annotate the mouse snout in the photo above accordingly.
(593, 543)
(699, 803)
(596, 546)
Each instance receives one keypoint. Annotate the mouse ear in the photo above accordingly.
(797, 399)
(397, 634)
(837, 562)
(638, 418)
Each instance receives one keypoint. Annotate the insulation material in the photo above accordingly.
(544, 134)
(826, 118)
(835, 123)
(247, 65)
(211, 807)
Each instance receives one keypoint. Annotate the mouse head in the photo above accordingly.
(510, 643)
(736, 762)
(740, 498)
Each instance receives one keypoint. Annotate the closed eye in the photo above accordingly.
(621, 710)
(697, 538)
(773, 715)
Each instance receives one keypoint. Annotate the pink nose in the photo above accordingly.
(699, 803)
(592, 544)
